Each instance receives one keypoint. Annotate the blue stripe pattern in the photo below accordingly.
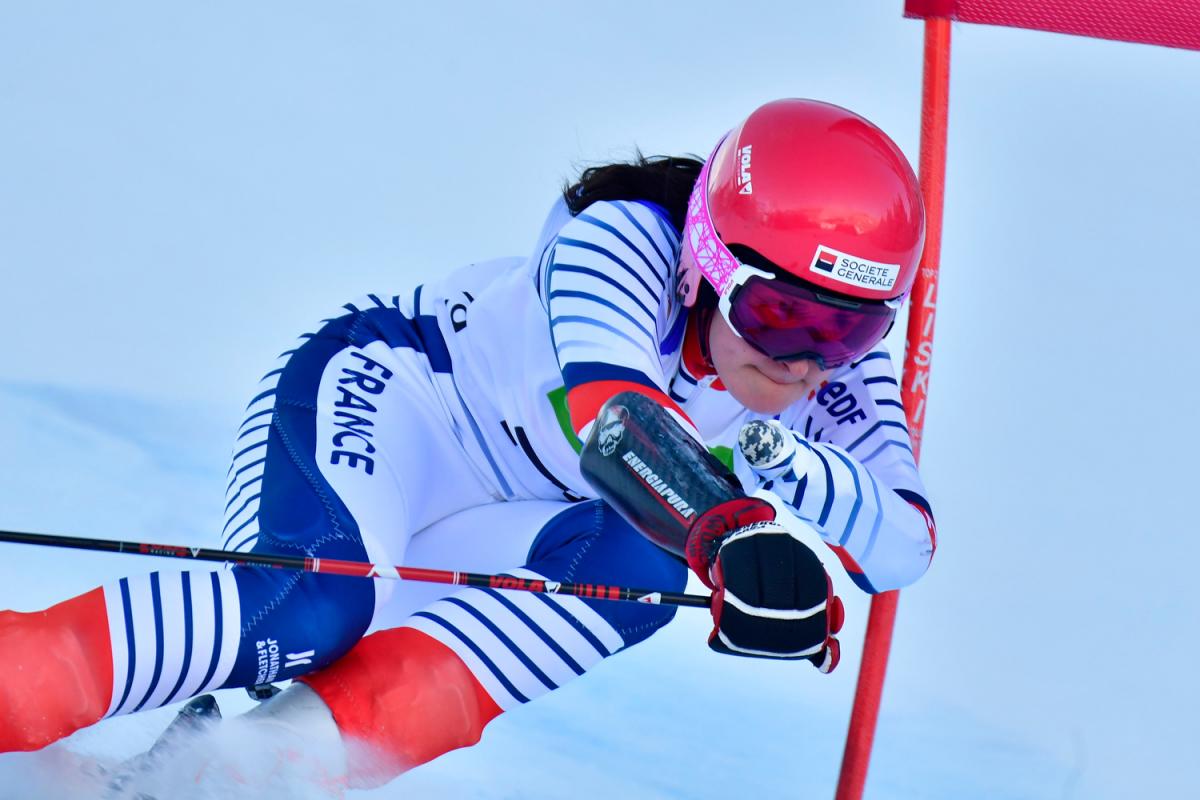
(885, 446)
(600, 301)
(505, 640)
(156, 596)
(607, 287)
(252, 518)
(595, 248)
(242, 469)
(665, 225)
(483, 448)
(801, 487)
(623, 239)
(242, 508)
(243, 452)
(558, 267)
(218, 621)
(858, 497)
(880, 424)
(594, 323)
(256, 415)
(186, 581)
(260, 396)
(487, 662)
(916, 500)
(592, 639)
(674, 337)
(866, 553)
(240, 546)
(663, 258)
(249, 431)
(241, 489)
(130, 641)
(824, 517)
(875, 356)
(860, 580)
(516, 611)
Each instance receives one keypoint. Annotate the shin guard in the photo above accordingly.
(401, 698)
(55, 671)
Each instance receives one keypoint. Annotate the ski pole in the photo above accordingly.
(364, 569)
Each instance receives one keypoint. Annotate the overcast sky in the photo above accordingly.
(184, 189)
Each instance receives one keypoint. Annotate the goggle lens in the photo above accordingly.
(788, 321)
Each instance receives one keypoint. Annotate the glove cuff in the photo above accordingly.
(711, 528)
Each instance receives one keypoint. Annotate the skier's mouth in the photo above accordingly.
(786, 379)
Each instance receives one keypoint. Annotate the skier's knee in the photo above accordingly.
(299, 624)
(592, 543)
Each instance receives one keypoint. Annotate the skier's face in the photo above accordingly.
(758, 382)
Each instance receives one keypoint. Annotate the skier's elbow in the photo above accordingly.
(895, 563)
(908, 549)
(885, 578)
(906, 571)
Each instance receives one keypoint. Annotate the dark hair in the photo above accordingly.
(665, 180)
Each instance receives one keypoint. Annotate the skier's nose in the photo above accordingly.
(800, 368)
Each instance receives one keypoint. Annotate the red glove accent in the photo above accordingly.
(707, 532)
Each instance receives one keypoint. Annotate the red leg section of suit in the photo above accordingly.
(401, 698)
(55, 671)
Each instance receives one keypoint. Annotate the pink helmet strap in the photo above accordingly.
(707, 256)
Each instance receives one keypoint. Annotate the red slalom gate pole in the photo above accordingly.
(914, 390)
(364, 569)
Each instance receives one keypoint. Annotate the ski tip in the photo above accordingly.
(203, 706)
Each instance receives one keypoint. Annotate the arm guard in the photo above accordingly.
(646, 466)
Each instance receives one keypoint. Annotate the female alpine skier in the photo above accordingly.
(667, 304)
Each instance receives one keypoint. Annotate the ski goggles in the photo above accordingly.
(791, 321)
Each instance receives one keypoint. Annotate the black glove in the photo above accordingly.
(771, 595)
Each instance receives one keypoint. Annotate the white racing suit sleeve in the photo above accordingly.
(847, 469)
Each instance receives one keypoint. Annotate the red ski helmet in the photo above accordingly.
(821, 198)
(801, 176)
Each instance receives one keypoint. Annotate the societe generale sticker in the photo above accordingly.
(853, 270)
